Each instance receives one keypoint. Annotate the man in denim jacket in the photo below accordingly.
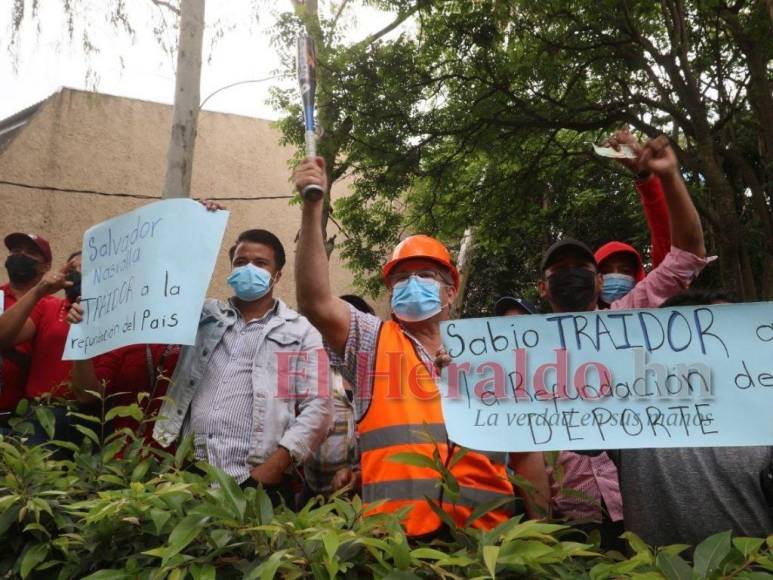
(253, 390)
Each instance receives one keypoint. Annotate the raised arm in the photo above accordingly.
(15, 324)
(651, 194)
(686, 231)
(328, 313)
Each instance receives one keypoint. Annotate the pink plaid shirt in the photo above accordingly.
(596, 477)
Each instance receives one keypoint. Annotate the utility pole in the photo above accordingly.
(185, 117)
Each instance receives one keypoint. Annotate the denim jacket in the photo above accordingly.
(291, 407)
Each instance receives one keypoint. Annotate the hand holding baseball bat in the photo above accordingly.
(307, 79)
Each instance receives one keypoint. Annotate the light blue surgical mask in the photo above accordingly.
(250, 282)
(616, 286)
(416, 299)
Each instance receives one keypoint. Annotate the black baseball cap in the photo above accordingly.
(566, 246)
(507, 302)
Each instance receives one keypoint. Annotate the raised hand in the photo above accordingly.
(310, 171)
(53, 282)
(625, 137)
(658, 157)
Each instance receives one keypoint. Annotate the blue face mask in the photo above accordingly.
(616, 286)
(249, 282)
(416, 299)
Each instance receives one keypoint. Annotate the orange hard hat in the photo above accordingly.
(422, 247)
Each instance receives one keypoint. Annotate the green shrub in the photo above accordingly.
(115, 509)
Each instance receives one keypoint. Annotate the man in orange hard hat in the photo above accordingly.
(391, 367)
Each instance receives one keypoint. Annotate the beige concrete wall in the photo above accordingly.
(86, 141)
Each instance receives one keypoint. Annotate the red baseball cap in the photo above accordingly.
(12, 241)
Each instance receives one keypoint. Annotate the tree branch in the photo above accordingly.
(387, 29)
(168, 5)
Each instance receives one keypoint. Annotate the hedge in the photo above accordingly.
(113, 508)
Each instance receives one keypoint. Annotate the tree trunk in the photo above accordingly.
(464, 263)
(182, 141)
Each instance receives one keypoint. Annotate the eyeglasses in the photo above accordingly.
(424, 274)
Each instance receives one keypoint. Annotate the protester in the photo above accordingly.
(122, 375)
(28, 260)
(512, 306)
(398, 407)
(43, 323)
(234, 392)
(619, 263)
(571, 282)
(684, 495)
(335, 464)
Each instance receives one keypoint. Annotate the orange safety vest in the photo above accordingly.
(405, 415)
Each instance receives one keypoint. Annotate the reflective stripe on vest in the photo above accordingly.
(406, 434)
(403, 435)
(405, 416)
(419, 489)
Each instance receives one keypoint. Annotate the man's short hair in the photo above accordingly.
(78, 253)
(261, 237)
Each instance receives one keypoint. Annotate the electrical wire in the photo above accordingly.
(130, 195)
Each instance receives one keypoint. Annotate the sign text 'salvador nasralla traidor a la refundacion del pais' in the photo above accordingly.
(145, 276)
(673, 377)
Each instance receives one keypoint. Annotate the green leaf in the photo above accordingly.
(132, 411)
(45, 417)
(184, 533)
(205, 572)
(638, 545)
(8, 501)
(22, 408)
(265, 507)
(331, 542)
(89, 418)
(673, 566)
(89, 433)
(414, 459)
(459, 454)
(490, 555)
(524, 551)
(184, 450)
(8, 518)
(267, 569)
(32, 557)
(710, 553)
(159, 518)
(484, 508)
(140, 470)
(234, 495)
(748, 546)
(401, 575)
(107, 575)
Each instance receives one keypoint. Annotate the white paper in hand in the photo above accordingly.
(625, 152)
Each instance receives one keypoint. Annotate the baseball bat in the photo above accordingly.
(307, 79)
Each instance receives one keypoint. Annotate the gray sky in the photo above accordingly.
(47, 61)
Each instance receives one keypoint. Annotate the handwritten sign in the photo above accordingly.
(673, 377)
(145, 275)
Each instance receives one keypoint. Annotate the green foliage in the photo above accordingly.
(481, 116)
(118, 509)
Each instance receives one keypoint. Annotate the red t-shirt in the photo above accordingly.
(125, 370)
(16, 362)
(48, 372)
